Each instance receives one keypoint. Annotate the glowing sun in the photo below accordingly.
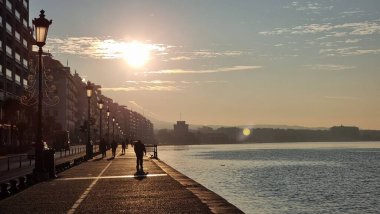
(136, 54)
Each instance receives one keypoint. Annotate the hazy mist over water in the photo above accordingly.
(286, 177)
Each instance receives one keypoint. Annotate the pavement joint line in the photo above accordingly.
(111, 177)
(86, 192)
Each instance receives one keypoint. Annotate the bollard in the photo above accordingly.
(13, 189)
(4, 190)
(21, 183)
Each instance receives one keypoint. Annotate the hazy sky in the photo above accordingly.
(230, 62)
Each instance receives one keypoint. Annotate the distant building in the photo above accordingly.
(345, 132)
(182, 135)
(181, 128)
(66, 110)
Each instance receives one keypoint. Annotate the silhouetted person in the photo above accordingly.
(123, 146)
(103, 147)
(140, 150)
(113, 146)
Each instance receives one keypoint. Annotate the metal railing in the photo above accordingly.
(152, 148)
(22, 160)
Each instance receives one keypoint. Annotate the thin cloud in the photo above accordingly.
(217, 70)
(355, 28)
(158, 85)
(143, 88)
(135, 104)
(329, 67)
(97, 47)
(348, 51)
(308, 7)
(204, 54)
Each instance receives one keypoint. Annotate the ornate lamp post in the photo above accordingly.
(108, 124)
(117, 133)
(113, 128)
(89, 151)
(100, 122)
(41, 25)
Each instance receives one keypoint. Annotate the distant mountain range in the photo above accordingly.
(158, 124)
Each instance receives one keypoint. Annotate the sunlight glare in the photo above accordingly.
(136, 54)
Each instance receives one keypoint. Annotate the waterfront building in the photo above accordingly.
(15, 45)
(64, 87)
(182, 134)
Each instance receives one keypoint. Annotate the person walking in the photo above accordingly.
(114, 146)
(123, 146)
(139, 151)
(103, 148)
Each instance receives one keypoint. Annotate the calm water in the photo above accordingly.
(286, 177)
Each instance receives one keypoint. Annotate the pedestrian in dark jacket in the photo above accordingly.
(103, 147)
(114, 146)
(139, 151)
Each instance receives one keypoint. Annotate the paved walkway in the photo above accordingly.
(111, 186)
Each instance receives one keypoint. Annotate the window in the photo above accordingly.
(18, 16)
(18, 57)
(9, 5)
(9, 51)
(17, 35)
(18, 79)
(25, 23)
(25, 83)
(25, 42)
(25, 3)
(25, 63)
(9, 28)
(9, 74)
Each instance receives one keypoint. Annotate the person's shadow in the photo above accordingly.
(140, 175)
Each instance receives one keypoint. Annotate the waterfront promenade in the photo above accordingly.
(111, 186)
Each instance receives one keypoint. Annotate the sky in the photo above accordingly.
(226, 62)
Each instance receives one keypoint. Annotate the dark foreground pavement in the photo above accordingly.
(111, 186)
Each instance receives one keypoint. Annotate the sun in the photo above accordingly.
(246, 132)
(136, 54)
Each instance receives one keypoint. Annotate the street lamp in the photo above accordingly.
(100, 122)
(117, 133)
(108, 124)
(113, 129)
(89, 145)
(41, 25)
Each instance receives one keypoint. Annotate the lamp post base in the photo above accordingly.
(40, 175)
(89, 152)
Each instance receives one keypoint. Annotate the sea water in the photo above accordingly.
(286, 177)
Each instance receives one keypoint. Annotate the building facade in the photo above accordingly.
(15, 45)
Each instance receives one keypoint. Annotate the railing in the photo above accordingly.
(152, 148)
(23, 160)
(15, 161)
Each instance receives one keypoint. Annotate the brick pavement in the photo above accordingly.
(111, 186)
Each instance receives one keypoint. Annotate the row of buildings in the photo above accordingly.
(65, 97)
(71, 111)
